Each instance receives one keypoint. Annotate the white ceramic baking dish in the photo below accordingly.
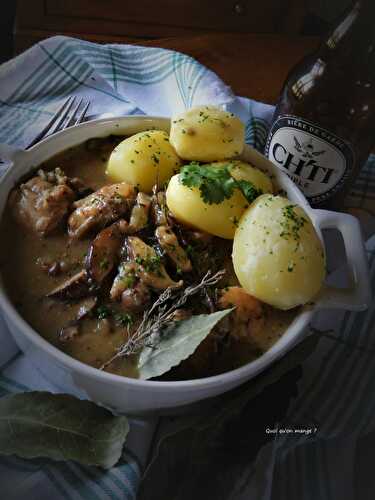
(137, 396)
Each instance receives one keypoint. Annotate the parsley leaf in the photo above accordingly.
(124, 319)
(216, 184)
(249, 190)
(103, 312)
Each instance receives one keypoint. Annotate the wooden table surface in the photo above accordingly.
(253, 65)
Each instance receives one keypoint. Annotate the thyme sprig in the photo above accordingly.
(160, 315)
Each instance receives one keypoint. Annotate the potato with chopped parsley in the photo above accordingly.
(143, 160)
(206, 134)
(277, 255)
(209, 198)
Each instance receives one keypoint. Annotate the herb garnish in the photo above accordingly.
(103, 312)
(160, 315)
(124, 319)
(150, 264)
(291, 223)
(216, 184)
(104, 263)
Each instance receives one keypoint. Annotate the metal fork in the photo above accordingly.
(70, 113)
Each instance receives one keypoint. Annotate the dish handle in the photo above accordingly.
(8, 154)
(358, 296)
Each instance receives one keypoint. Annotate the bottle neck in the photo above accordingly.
(355, 30)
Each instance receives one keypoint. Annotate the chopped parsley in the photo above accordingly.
(291, 223)
(216, 184)
(150, 264)
(123, 319)
(104, 264)
(128, 280)
(103, 312)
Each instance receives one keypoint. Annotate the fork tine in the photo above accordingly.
(50, 124)
(59, 124)
(82, 114)
(70, 120)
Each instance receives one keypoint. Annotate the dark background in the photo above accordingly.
(8, 8)
(320, 13)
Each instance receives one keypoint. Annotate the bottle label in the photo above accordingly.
(317, 160)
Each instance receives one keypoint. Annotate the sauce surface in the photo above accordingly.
(24, 256)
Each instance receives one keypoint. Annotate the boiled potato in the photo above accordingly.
(187, 205)
(277, 255)
(206, 133)
(241, 170)
(144, 159)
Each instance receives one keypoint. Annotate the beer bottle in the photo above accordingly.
(324, 123)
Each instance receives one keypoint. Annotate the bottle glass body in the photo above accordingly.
(324, 124)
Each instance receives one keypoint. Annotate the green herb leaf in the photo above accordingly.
(249, 190)
(60, 427)
(124, 319)
(176, 343)
(103, 312)
(216, 184)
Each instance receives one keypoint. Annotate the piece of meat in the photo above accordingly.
(74, 288)
(101, 208)
(135, 299)
(237, 329)
(139, 213)
(169, 243)
(248, 317)
(41, 205)
(150, 269)
(104, 251)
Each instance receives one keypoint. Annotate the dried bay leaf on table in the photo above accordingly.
(60, 427)
(176, 343)
(211, 455)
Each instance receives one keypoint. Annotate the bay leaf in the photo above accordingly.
(60, 427)
(176, 344)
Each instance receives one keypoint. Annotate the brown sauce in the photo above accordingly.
(23, 253)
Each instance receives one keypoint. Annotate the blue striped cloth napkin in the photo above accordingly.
(337, 387)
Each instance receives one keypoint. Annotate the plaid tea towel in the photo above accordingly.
(119, 80)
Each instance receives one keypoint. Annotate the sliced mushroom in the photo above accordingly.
(75, 287)
(139, 213)
(159, 208)
(169, 243)
(85, 307)
(100, 208)
(150, 268)
(104, 251)
(126, 278)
